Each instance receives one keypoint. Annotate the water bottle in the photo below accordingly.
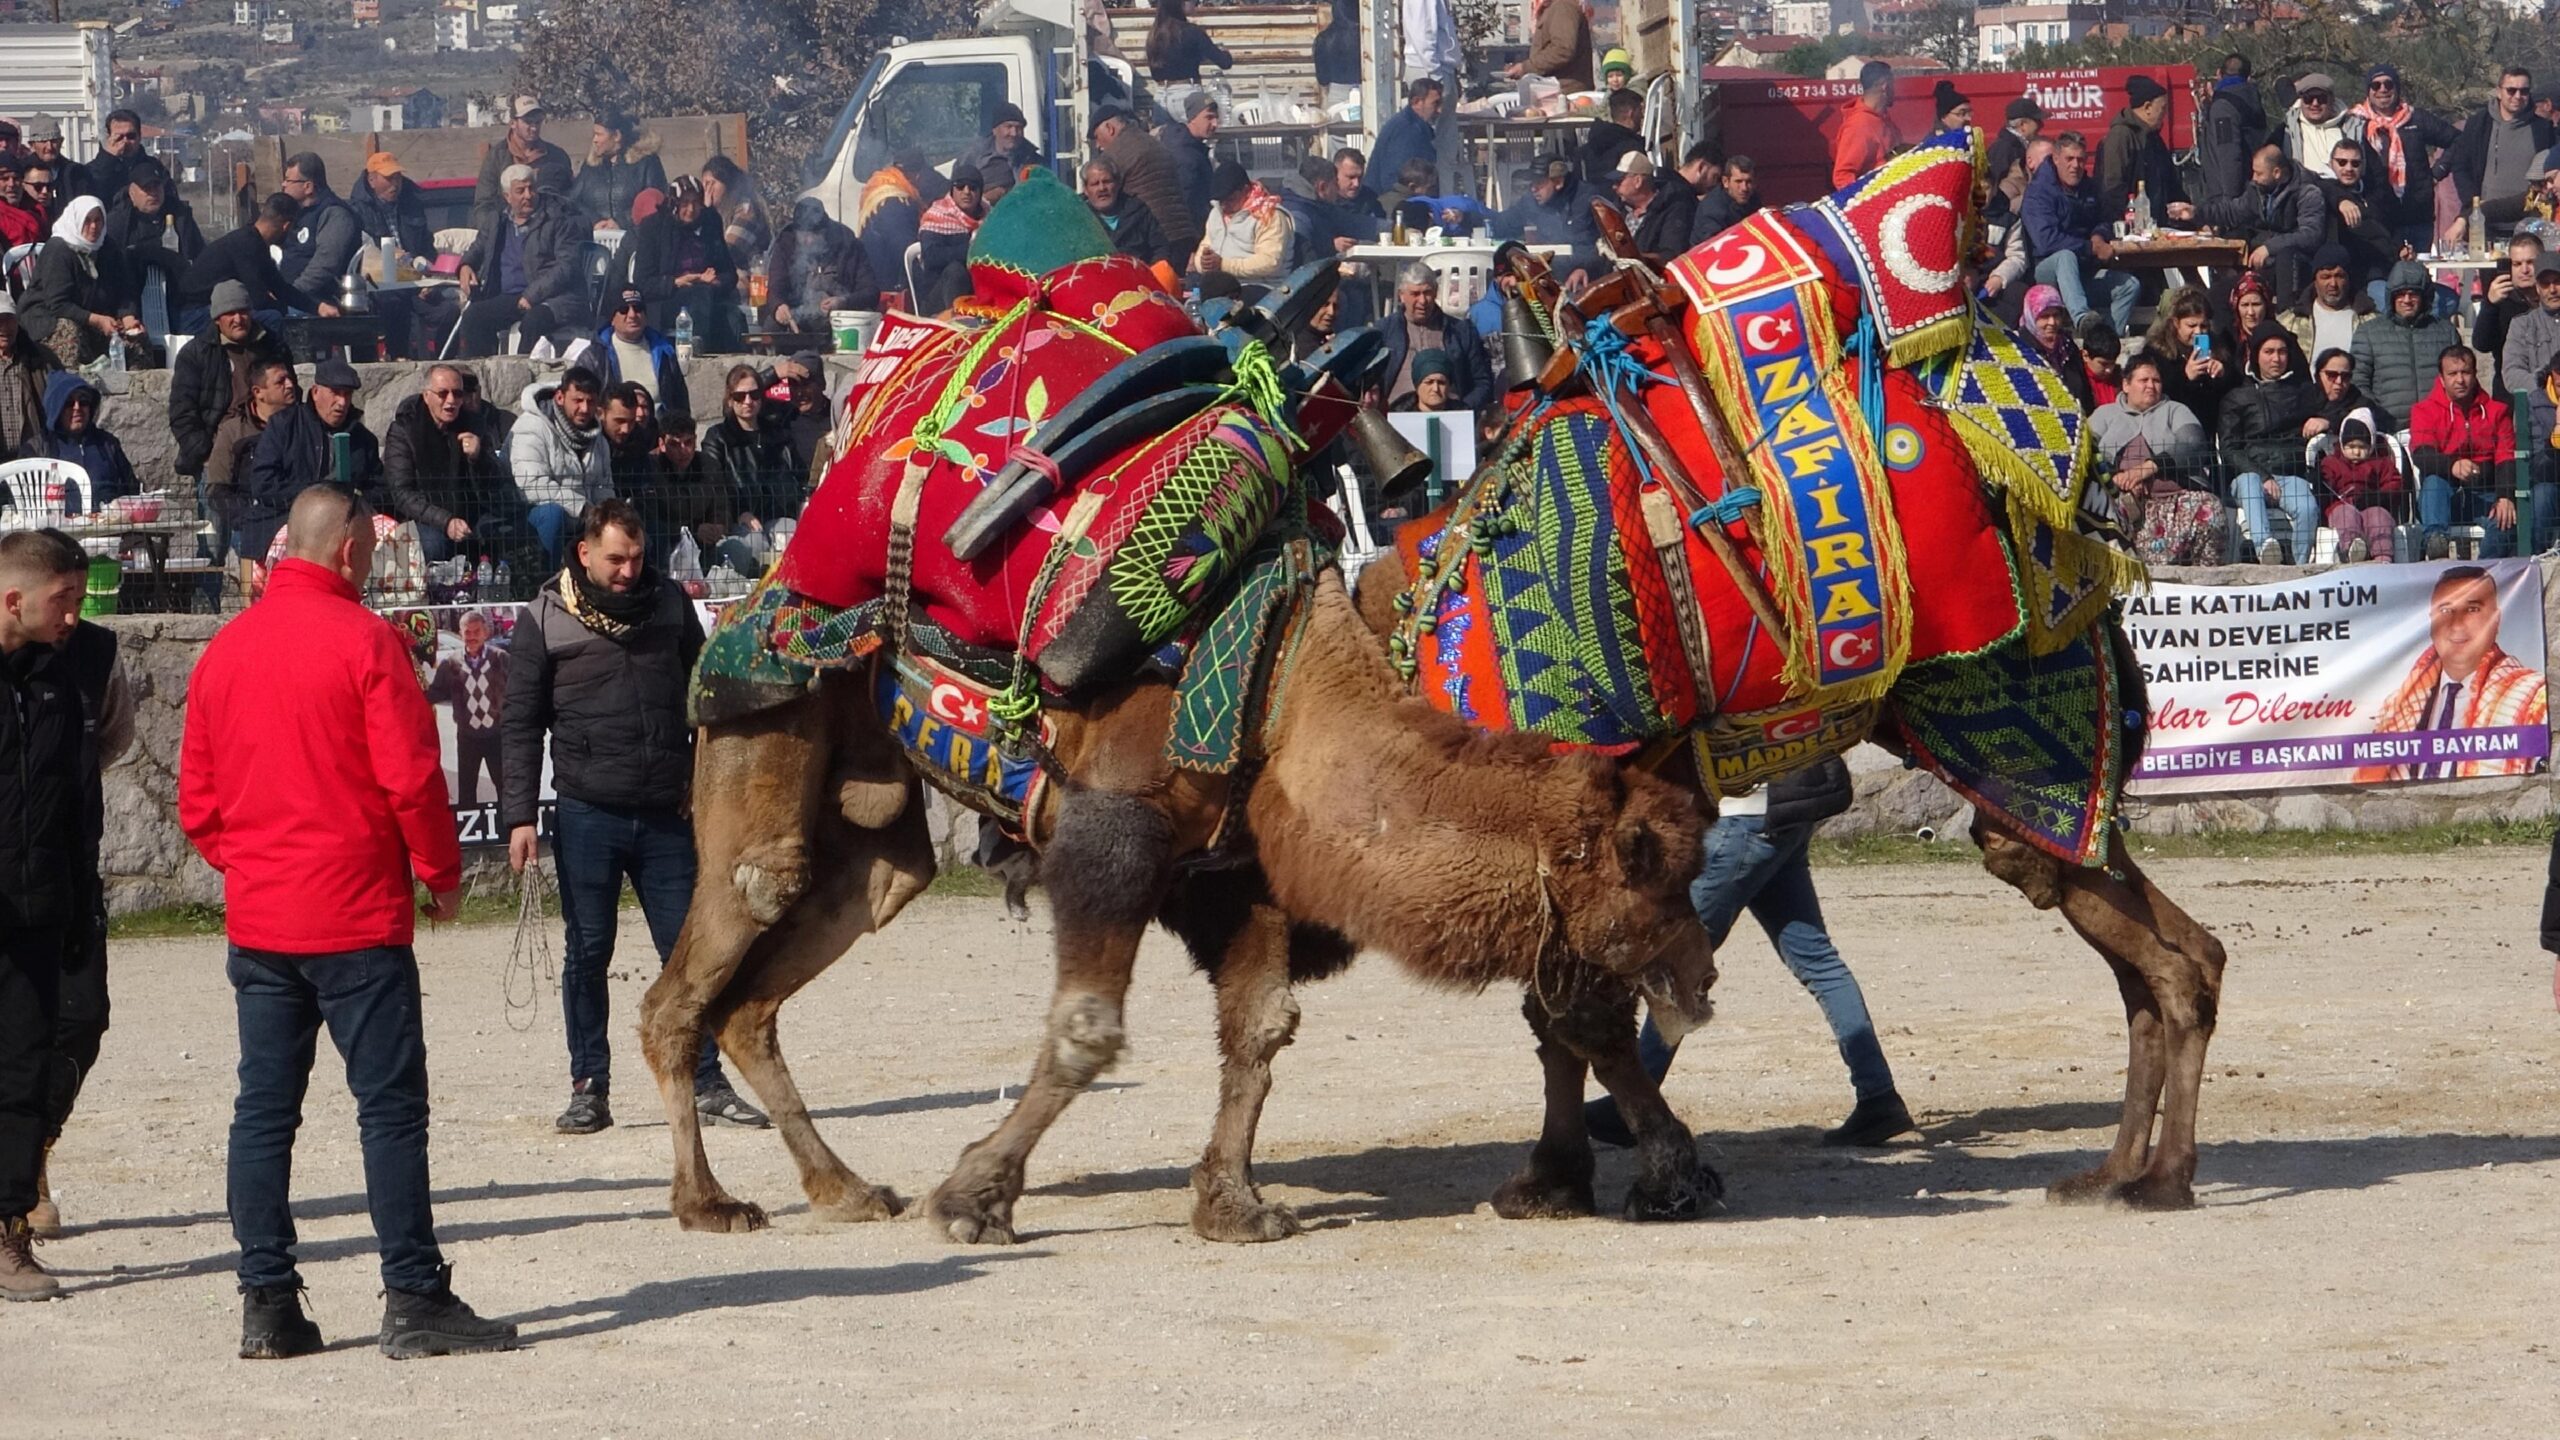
(506, 581)
(2475, 237)
(2140, 221)
(683, 338)
(115, 353)
(482, 576)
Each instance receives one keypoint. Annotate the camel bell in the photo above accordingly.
(1525, 351)
(1390, 457)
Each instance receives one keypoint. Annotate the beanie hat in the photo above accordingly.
(1007, 113)
(2331, 257)
(2358, 426)
(1616, 59)
(1945, 96)
(1430, 363)
(228, 296)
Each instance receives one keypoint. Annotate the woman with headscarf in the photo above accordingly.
(817, 265)
(2265, 429)
(84, 293)
(2048, 334)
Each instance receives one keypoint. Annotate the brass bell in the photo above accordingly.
(1525, 350)
(1397, 466)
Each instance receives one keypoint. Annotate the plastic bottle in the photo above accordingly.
(2139, 221)
(756, 284)
(2475, 236)
(506, 581)
(685, 561)
(115, 353)
(683, 336)
(482, 576)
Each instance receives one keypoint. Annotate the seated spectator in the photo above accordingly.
(559, 457)
(524, 146)
(210, 377)
(294, 453)
(2153, 453)
(2066, 236)
(1554, 209)
(1132, 225)
(1430, 392)
(731, 196)
(817, 265)
(2282, 216)
(2198, 364)
(527, 269)
(2103, 353)
(153, 227)
(325, 235)
(1318, 329)
(1420, 325)
(389, 206)
(1148, 177)
(677, 257)
(887, 213)
(2364, 489)
(2250, 309)
(622, 161)
(2510, 294)
(1418, 199)
(2359, 207)
(2334, 372)
(444, 466)
(1318, 224)
(22, 220)
(2396, 353)
(2267, 419)
(1658, 216)
(2545, 473)
(1351, 182)
(46, 190)
(242, 256)
(272, 391)
(800, 392)
(24, 364)
(749, 459)
(942, 238)
(2463, 441)
(633, 353)
(2049, 336)
(1610, 139)
(629, 423)
(689, 497)
(2328, 313)
(2534, 336)
(72, 433)
(998, 157)
(84, 293)
(1249, 234)
(1735, 199)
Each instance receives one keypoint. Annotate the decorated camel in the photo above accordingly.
(1793, 490)
(1067, 571)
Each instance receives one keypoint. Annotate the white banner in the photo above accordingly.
(2361, 675)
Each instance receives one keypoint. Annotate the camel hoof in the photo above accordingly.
(768, 892)
(861, 1205)
(2089, 1187)
(970, 1220)
(1242, 1219)
(1688, 1195)
(1531, 1195)
(721, 1215)
(2154, 1192)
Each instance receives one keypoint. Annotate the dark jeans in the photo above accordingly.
(31, 965)
(597, 847)
(1752, 867)
(483, 321)
(80, 1022)
(369, 1001)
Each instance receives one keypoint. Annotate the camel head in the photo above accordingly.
(1621, 893)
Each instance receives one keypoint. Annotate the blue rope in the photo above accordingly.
(1608, 365)
(1870, 351)
(1725, 508)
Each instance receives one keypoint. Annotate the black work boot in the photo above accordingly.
(1873, 1122)
(272, 1325)
(436, 1322)
(589, 1111)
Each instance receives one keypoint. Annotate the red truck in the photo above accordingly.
(1785, 122)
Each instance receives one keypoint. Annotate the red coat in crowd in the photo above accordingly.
(1866, 140)
(2482, 431)
(311, 777)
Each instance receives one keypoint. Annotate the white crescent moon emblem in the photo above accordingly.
(1752, 336)
(1894, 234)
(1851, 648)
(1747, 260)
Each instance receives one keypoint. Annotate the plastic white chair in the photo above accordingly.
(19, 265)
(915, 279)
(43, 492)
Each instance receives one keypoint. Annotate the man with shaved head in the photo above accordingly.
(310, 780)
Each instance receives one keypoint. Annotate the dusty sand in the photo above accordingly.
(2380, 1186)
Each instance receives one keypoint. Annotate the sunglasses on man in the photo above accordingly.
(633, 308)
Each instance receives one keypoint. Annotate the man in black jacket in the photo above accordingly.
(600, 660)
(296, 452)
(1132, 225)
(325, 235)
(2235, 125)
(42, 914)
(211, 374)
(242, 255)
(2499, 153)
(1420, 325)
(2283, 217)
(154, 226)
(441, 466)
(1729, 204)
(521, 145)
(1658, 215)
(1188, 146)
(524, 270)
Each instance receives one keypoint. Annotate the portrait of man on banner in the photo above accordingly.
(2464, 680)
(473, 685)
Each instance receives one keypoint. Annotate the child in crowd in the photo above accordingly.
(2363, 484)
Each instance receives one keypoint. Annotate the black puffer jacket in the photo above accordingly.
(613, 706)
(42, 794)
(426, 477)
(201, 393)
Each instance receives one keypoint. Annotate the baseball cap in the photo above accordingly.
(631, 295)
(337, 374)
(527, 105)
(381, 162)
(1556, 168)
(1634, 162)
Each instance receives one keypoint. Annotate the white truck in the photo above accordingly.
(59, 72)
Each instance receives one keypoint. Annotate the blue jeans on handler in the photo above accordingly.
(368, 999)
(552, 525)
(2301, 509)
(2119, 288)
(1750, 867)
(597, 847)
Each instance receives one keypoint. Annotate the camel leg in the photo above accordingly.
(1556, 1183)
(871, 875)
(1256, 1017)
(1671, 1182)
(1105, 868)
(2172, 994)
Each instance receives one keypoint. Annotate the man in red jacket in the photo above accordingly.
(2463, 441)
(310, 779)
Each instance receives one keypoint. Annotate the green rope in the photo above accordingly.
(1257, 384)
(946, 406)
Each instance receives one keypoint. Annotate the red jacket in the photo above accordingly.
(20, 225)
(2482, 432)
(1865, 141)
(311, 777)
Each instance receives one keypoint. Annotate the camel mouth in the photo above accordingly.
(1677, 986)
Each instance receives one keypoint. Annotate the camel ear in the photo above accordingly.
(1641, 853)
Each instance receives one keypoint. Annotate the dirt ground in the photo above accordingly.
(2380, 1182)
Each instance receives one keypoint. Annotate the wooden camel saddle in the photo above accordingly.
(1792, 491)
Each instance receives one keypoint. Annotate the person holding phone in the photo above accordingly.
(2200, 366)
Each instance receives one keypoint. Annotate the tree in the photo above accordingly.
(789, 66)
(1945, 32)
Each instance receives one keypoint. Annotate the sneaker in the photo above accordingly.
(46, 1218)
(21, 1278)
(1601, 1120)
(2357, 551)
(1873, 1122)
(2439, 546)
(588, 1111)
(722, 1105)
(272, 1325)
(2270, 551)
(436, 1322)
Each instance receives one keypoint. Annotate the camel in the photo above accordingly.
(966, 531)
(1677, 441)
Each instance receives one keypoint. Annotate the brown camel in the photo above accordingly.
(2168, 969)
(1374, 821)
